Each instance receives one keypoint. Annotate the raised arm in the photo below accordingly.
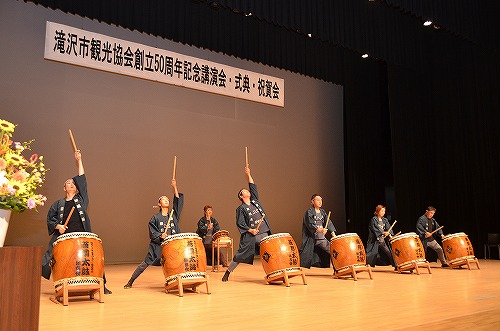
(249, 176)
(78, 158)
(174, 187)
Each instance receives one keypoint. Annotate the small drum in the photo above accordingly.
(279, 252)
(457, 247)
(221, 235)
(183, 254)
(406, 249)
(347, 250)
(78, 256)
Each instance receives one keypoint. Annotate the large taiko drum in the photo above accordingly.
(406, 249)
(457, 247)
(278, 252)
(183, 254)
(77, 257)
(221, 235)
(347, 250)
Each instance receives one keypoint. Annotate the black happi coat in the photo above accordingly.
(374, 233)
(55, 217)
(423, 227)
(309, 256)
(157, 226)
(246, 250)
(203, 227)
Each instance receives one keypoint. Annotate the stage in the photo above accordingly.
(459, 299)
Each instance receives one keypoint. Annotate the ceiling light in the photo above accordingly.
(427, 23)
(364, 56)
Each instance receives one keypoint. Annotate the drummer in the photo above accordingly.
(426, 224)
(207, 226)
(379, 234)
(315, 250)
(77, 198)
(161, 225)
(249, 215)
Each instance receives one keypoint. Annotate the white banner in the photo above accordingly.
(87, 49)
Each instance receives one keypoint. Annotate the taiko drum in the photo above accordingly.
(457, 247)
(220, 235)
(278, 252)
(183, 253)
(347, 250)
(406, 249)
(77, 254)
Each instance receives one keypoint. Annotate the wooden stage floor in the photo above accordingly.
(446, 299)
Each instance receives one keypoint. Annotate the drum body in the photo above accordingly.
(183, 254)
(279, 252)
(457, 247)
(347, 250)
(77, 255)
(221, 235)
(406, 249)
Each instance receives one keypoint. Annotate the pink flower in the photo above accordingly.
(3, 164)
(31, 203)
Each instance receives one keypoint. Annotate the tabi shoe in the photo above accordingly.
(127, 286)
(444, 266)
(106, 290)
(225, 278)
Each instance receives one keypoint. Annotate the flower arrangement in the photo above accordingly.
(19, 177)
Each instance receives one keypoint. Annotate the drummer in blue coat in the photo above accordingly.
(379, 234)
(161, 225)
(69, 214)
(315, 250)
(252, 223)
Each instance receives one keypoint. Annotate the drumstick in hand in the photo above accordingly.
(389, 231)
(326, 224)
(175, 166)
(72, 140)
(69, 216)
(260, 221)
(437, 230)
(168, 223)
(246, 156)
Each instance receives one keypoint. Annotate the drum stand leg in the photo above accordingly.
(465, 261)
(285, 275)
(353, 271)
(414, 266)
(72, 290)
(193, 284)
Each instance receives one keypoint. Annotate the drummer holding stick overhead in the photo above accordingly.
(378, 249)
(316, 226)
(69, 214)
(251, 221)
(161, 225)
(427, 227)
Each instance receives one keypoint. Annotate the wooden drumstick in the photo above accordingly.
(168, 223)
(260, 221)
(69, 216)
(246, 156)
(437, 230)
(389, 231)
(326, 224)
(175, 166)
(397, 234)
(72, 140)
(327, 219)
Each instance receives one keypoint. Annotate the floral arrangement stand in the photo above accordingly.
(20, 177)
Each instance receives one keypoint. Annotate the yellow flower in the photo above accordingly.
(6, 126)
(14, 159)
